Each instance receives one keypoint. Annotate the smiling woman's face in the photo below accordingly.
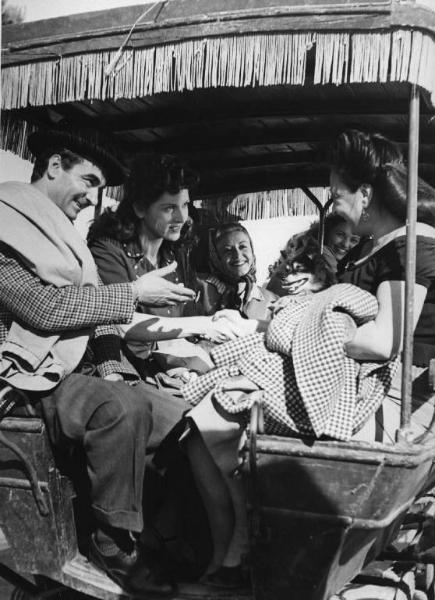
(165, 217)
(234, 250)
(341, 239)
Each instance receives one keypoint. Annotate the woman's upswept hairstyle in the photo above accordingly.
(359, 158)
(149, 178)
(392, 188)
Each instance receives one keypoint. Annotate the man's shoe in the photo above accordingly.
(128, 571)
(229, 578)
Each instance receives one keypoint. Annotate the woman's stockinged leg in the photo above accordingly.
(215, 495)
(239, 540)
(221, 438)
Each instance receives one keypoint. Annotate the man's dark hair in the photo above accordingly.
(68, 160)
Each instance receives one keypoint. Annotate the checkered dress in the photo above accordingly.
(310, 386)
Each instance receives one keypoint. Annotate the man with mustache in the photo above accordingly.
(51, 305)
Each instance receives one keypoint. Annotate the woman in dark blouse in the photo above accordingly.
(368, 185)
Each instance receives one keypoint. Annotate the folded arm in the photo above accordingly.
(382, 338)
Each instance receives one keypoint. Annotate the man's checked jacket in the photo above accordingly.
(24, 297)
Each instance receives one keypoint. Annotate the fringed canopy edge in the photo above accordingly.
(255, 205)
(262, 205)
(402, 55)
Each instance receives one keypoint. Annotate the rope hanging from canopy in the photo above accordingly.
(239, 61)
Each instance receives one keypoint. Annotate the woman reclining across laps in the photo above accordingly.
(368, 183)
(143, 234)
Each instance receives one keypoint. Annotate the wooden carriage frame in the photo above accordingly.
(249, 93)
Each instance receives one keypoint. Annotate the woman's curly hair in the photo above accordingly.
(149, 178)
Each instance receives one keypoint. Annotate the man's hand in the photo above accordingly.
(153, 289)
(114, 377)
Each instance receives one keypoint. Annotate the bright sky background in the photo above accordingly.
(46, 9)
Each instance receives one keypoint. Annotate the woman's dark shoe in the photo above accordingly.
(228, 578)
(128, 570)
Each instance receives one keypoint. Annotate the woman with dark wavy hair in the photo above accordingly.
(144, 233)
(368, 185)
(369, 189)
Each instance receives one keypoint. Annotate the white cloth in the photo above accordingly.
(51, 248)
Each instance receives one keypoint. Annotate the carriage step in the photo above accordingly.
(83, 576)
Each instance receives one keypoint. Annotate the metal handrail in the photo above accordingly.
(411, 220)
(31, 472)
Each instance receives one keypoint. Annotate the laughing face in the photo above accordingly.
(235, 251)
(74, 189)
(165, 217)
(341, 239)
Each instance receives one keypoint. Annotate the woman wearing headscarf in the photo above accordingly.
(232, 280)
(369, 190)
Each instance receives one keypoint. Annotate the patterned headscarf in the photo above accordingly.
(231, 297)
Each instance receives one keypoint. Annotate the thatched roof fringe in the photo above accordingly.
(262, 205)
(14, 134)
(246, 60)
(255, 205)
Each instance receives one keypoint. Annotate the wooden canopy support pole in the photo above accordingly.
(411, 219)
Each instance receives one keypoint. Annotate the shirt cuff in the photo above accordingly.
(112, 366)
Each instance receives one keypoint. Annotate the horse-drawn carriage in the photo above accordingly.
(250, 93)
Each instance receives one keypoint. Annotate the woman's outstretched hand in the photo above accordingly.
(234, 320)
(153, 289)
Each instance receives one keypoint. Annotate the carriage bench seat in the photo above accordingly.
(36, 508)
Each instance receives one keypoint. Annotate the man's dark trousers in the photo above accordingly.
(116, 425)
